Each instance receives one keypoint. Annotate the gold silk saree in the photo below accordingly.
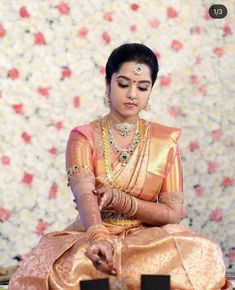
(152, 173)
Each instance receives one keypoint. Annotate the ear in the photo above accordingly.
(107, 86)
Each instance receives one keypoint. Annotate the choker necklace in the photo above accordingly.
(124, 129)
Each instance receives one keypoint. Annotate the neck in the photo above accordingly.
(116, 118)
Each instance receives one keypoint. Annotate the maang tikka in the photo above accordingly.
(138, 69)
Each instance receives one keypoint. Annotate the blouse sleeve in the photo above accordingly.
(172, 186)
(79, 163)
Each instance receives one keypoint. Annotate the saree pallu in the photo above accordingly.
(193, 262)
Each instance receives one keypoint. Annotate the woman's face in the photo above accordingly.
(129, 92)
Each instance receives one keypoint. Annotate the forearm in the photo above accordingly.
(156, 213)
(87, 205)
(165, 212)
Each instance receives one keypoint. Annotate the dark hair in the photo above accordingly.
(131, 52)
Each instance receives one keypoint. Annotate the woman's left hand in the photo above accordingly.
(104, 195)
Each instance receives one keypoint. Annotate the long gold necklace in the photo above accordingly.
(107, 161)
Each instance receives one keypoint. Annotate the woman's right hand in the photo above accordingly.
(101, 255)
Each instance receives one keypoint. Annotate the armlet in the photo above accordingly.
(77, 173)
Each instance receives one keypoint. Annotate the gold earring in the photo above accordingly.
(147, 107)
(107, 101)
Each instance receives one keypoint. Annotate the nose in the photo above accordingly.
(132, 92)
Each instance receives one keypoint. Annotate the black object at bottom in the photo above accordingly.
(155, 282)
(96, 284)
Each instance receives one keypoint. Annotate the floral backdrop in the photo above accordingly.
(52, 59)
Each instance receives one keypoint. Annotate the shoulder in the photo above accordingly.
(85, 132)
(165, 132)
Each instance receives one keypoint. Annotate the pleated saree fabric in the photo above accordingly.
(193, 261)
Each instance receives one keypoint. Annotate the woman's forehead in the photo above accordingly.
(129, 70)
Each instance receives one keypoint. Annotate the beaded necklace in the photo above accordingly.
(107, 161)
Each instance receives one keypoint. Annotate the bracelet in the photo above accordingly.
(98, 232)
(123, 202)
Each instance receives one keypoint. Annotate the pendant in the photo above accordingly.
(124, 157)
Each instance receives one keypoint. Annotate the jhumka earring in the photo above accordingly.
(138, 69)
(107, 101)
(147, 107)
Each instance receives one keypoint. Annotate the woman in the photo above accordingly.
(126, 177)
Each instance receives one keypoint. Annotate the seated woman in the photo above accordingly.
(126, 177)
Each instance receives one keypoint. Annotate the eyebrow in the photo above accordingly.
(124, 77)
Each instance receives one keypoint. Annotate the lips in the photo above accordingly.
(130, 104)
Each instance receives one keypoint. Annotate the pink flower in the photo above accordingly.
(193, 79)
(176, 45)
(39, 39)
(53, 151)
(200, 191)
(171, 12)
(18, 108)
(196, 30)
(227, 30)
(134, 6)
(63, 8)
(231, 254)
(184, 213)
(76, 102)
(102, 70)
(106, 37)
(154, 22)
(53, 191)
(207, 15)
(13, 73)
(216, 215)
(203, 89)
(6, 160)
(23, 12)
(173, 111)
(212, 167)
(198, 60)
(227, 181)
(27, 178)
(2, 31)
(218, 51)
(41, 227)
(193, 145)
(26, 137)
(165, 81)
(133, 28)
(58, 125)
(43, 91)
(108, 16)
(4, 214)
(66, 73)
(216, 134)
(83, 32)
(158, 55)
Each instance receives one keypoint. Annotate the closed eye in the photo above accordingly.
(126, 85)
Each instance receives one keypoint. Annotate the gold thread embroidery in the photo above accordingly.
(166, 197)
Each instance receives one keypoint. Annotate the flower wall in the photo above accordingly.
(52, 59)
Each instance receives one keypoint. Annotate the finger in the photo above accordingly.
(93, 254)
(102, 204)
(107, 255)
(101, 190)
